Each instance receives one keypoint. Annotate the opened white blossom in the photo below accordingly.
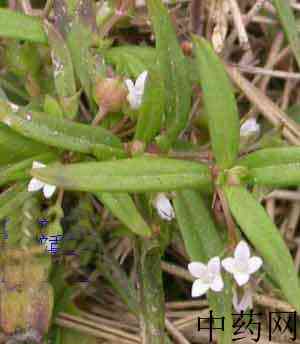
(164, 207)
(250, 127)
(242, 265)
(246, 302)
(208, 276)
(36, 184)
(136, 91)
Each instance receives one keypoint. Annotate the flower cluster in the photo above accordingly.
(241, 266)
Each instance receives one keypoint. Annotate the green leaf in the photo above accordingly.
(219, 103)
(20, 170)
(14, 147)
(173, 68)
(131, 60)
(12, 199)
(151, 113)
(62, 133)
(79, 40)
(278, 175)
(266, 238)
(271, 156)
(123, 207)
(20, 26)
(202, 242)
(289, 24)
(128, 175)
(63, 71)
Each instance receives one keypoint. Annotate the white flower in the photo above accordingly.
(245, 302)
(164, 207)
(136, 91)
(242, 266)
(208, 276)
(36, 184)
(250, 127)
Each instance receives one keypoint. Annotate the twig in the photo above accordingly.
(239, 24)
(290, 129)
(175, 333)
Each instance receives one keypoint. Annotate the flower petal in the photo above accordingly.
(217, 284)
(254, 264)
(197, 269)
(37, 164)
(199, 288)
(140, 82)
(214, 265)
(35, 185)
(49, 190)
(242, 251)
(249, 127)
(229, 264)
(164, 207)
(130, 85)
(134, 100)
(241, 278)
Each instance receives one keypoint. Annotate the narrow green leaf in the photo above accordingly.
(266, 238)
(13, 198)
(63, 71)
(203, 242)
(151, 112)
(62, 133)
(278, 175)
(123, 207)
(20, 26)
(173, 68)
(289, 24)
(14, 147)
(219, 103)
(131, 60)
(271, 156)
(20, 170)
(151, 290)
(128, 175)
(79, 40)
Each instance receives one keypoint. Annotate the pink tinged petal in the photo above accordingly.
(140, 82)
(241, 278)
(242, 252)
(49, 190)
(217, 284)
(254, 264)
(197, 269)
(229, 265)
(199, 288)
(213, 265)
(35, 185)
(37, 164)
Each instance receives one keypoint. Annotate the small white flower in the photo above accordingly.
(36, 184)
(164, 207)
(242, 265)
(245, 303)
(250, 127)
(208, 276)
(136, 91)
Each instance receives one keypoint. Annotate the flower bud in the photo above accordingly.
(110, 94)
